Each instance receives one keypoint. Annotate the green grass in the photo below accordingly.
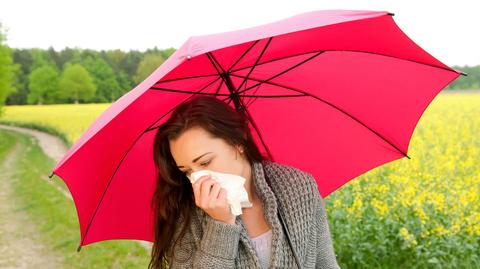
(55, 215)
(7, 141)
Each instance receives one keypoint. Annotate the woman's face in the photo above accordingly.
(196, 150)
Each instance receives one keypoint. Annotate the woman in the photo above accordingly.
(194, 227)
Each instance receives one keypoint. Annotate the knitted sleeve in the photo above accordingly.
(325, 253)
(217, 248)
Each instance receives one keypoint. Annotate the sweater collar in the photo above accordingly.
(264, 191)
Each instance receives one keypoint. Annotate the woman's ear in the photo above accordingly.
(238, 149)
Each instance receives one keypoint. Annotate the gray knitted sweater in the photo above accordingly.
(210, 243)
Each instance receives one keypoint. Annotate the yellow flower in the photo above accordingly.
(356, 206)
(424, 233)
(421, 214)
(380, 207)
(409, 238)
(437, 200)
(407, 196)
(337, 203)
(404, 232)
(440, 230)
(455, 228)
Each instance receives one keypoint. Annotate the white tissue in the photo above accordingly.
(237, 195)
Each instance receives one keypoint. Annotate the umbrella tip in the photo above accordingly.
(463, 73)
(408, 156)
(79, 247)
(51, 175)
(391, 14)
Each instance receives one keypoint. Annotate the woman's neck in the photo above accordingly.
(249, 184)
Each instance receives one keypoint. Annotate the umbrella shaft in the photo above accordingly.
(233, 92)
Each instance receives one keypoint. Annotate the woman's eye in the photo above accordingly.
(203, 164)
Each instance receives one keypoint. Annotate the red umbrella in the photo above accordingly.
(335, 93)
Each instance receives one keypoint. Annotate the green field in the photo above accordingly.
(55, 216)
(422, 212)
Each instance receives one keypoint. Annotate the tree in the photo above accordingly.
(55, 57)
(7, 69)
(69, 55)
(167, 52)
(130, 62)
(149, 63)
(43, 85)
(126, 84)
(40, 57)
(117, 59)
(76, 84)
(108, 89)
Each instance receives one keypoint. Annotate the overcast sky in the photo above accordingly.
(449, 30)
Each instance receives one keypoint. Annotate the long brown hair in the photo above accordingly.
(173, 197)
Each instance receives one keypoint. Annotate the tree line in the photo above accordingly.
(471, 81)
(73, 75)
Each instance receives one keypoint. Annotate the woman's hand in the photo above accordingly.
(212, 199)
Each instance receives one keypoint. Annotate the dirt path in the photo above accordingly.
(19, 243)
(50, 144)
(55, 148)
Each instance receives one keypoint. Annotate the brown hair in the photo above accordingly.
(173, 197)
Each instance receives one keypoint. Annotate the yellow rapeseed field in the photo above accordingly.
(70, 119)
(426, 209)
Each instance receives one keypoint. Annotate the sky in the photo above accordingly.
(448, 30)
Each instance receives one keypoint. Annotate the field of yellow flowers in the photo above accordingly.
(422, 212)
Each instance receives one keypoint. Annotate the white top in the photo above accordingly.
(262, 245)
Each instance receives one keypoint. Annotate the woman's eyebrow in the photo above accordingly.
(196, 159)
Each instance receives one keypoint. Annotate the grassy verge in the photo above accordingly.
(55, 215)
(40, 127)
(7, 141)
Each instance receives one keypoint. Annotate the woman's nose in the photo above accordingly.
(191, 178)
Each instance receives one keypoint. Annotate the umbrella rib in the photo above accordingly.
(245, 110)
(189, 77)
(251, 69)
(211, 58)
(194, 93)
(125, 155)
(187, 92)
(214, 62)
(209, 75)
(359, 51)
(332, 105)
(241, 105)
(219, 87)
(278, 59)
(255, 64)
(245, 53)
(225, 77)
(272, 96)
(283, 72)
(250, 118)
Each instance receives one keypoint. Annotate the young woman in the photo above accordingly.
(287, 226)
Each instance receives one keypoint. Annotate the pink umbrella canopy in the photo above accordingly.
(335, 93)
